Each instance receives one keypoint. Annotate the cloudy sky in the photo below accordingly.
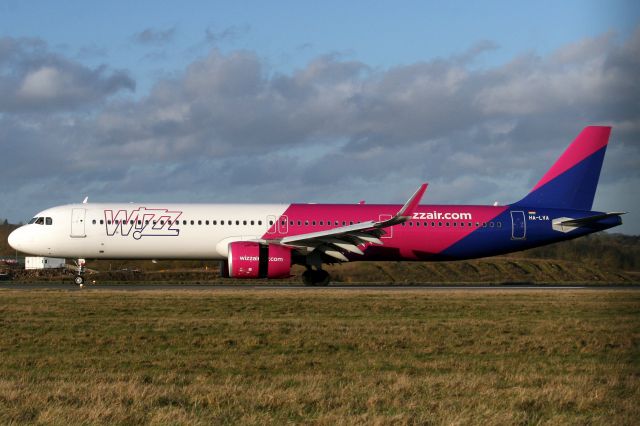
(293, 101)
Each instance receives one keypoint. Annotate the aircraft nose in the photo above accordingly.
(16, 239)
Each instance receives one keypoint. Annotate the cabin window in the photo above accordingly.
(291, 222)
(102, 222)
(499, 224)
(417, 223)
(410, 223)
(299, 223)
(439, 223)
(306, 223)
(455, 223)
(484, 224)
(230, 222)
(93, 221)
(253, 223)
(270, 222)
(282, 222)
(259, 222)
(491, 224)
(446, 224)
(321, 223)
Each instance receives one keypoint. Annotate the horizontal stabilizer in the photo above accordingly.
(566, 224)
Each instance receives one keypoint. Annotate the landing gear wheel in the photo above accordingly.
(322, 278)
(306, 277)
(318, 277)
(79, 280)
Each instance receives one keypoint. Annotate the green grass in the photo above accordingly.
(320, 356)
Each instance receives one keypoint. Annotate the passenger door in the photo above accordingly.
(389, 230)
(518, 226)
(77, 223)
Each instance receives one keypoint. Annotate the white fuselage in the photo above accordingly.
(145, 231)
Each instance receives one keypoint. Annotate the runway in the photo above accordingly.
(287, 287)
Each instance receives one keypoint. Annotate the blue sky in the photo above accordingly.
(280, 101)
(287, 34)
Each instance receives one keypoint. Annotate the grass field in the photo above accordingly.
(320, 356)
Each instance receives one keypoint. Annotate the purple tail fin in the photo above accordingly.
(571, 182)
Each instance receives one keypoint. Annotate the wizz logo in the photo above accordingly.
(142, 222)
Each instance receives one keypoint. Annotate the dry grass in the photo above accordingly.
(321, 356)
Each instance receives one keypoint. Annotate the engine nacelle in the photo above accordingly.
(253, 260)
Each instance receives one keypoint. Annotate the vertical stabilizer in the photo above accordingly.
(571, 182)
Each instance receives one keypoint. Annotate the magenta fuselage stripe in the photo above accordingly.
(588, 142)
(406, 240)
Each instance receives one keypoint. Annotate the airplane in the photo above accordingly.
(266, 240)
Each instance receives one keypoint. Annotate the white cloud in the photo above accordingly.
(42, 84)
(34, 79)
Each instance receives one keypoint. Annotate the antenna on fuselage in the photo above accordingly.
(85, 200)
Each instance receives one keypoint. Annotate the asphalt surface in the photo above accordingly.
(288, 287)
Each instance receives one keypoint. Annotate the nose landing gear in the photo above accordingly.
(79, 279)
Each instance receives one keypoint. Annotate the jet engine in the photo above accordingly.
(253, 260)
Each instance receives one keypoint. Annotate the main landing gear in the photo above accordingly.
(316, 277)
(79, 279)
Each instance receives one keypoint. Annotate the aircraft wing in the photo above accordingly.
(334, 242)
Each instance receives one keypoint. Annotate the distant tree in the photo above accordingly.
(5, 222)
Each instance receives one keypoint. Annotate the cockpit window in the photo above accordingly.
(33, 220)
(48, 221)
(40, 221)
